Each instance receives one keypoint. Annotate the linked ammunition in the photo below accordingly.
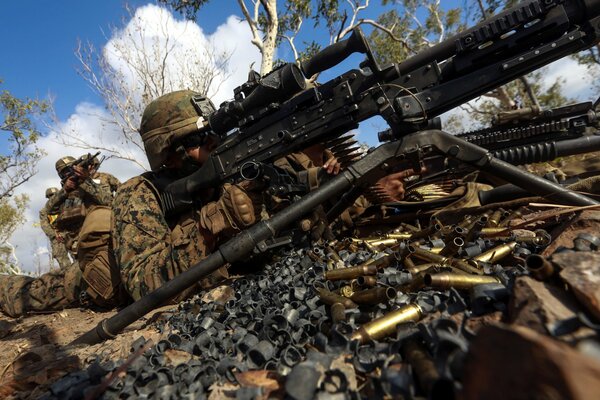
(367, 281)
(386, 326)
(338, 313)
(539, 267)
(448, 280)
(331, 298)
(497, 253)
(350, 273)
(374, 296)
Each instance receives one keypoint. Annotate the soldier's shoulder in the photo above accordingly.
(134, 192)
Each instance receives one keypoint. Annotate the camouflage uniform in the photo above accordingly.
(108, 182)
(72, 208)
(55, 290)
(57, 245)
(149, 248)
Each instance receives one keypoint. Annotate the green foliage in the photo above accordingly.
(189, 8)
(17, 165)
(17, 126)
(415, 34)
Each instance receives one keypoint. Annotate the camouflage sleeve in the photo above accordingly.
(98, 194)
(45, 223)
(147, 251)
(55, 201)
(113, 182)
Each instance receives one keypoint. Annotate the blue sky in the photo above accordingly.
(37, 40)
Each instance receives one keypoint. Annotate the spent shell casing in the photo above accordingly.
(386, 326)
(452, 247)
(417, 269)
(497, 253)
(446, 280)
(475, 229)
(374, 296)
(366, 281)
(422, 363)
(515, 215)
(338, 312)
(347, 291)
(426, 255)
(423, 233)
(331, 298)
(539, 267)
(494, 219)
(350, 273)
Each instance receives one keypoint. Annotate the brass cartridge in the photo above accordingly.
(439, 259)
(422, 363)
(417, 269)
(374, 296)
(497, 253)
(494, 219)
(367, 281)
(452, 247)
(331, 298)
(475, 229)
(386, 326)
(539, 267)
(347, 291)
(338, 312)
(350, 273)
(429, 231)
(447, 280)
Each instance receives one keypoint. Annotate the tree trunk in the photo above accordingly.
(268, 50)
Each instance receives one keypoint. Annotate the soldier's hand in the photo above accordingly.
(332, 165)
(243, 203)
(81, 172)
(71, 183)
(393, 184)
(316, 223)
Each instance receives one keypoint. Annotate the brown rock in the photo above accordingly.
(581, 271)
(536, 304)
(517, 363)
(588, 221)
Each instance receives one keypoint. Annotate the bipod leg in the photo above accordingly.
(481, 159)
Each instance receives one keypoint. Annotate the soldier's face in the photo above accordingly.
(201, 154)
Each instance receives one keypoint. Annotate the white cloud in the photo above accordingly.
(90, 120)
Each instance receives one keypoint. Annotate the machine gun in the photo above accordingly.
(83, 162)
(275, 116)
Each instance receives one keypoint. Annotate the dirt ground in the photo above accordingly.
(34, 350)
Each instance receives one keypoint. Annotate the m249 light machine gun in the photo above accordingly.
(276, 115)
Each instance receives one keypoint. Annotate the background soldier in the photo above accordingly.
(47, 220)
(106, 180)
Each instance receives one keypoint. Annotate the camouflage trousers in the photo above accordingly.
(53, 291)
(60, 254)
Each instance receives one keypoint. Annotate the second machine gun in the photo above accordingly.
(277, 115)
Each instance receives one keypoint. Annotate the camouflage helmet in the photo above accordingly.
(51, 191)
(95, 162)
(169, 118)
(63, 163)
